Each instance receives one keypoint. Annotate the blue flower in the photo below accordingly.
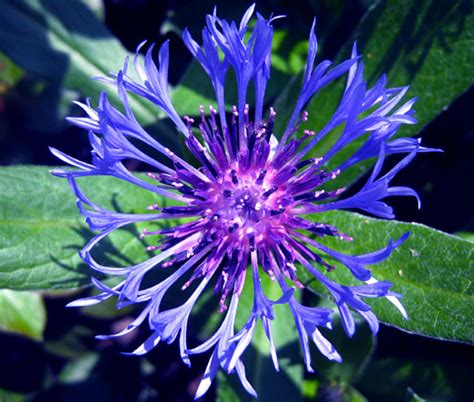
(247, 203)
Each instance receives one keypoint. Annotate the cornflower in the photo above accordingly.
(251, 206)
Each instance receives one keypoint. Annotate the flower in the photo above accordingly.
(247, 204)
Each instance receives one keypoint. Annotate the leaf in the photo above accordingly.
(227, 390)
(425, 44)
(194, 89)
(79, 370)
(41, 230)
(72, 345)
(63, 42)
(433, 271)
(8, 396)
(257, 360)
(466, 235)
(10, 73)
(22, 313)
(353, 395)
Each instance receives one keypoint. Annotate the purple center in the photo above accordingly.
(245, 203)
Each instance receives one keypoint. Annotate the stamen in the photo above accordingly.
(201, 112)
(251, 237)
(272, 114)
(269, 192)
(335, 173)
(233, 175)
(304, 163)
(279, 211)
(189, 123)
(235, 112)
(246, 113)
(153, 176)
(261, 176)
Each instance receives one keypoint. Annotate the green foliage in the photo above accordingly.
(466, 235)
(64, 43)
(426, 44)
(432, 270)
(6, 396)
(10, 73)
(22, 313)
(42, 232)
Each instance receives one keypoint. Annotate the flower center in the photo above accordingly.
(247, 202)
(246, 205)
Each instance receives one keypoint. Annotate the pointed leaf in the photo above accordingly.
(425, 44)
(41, 230)
(432, 270)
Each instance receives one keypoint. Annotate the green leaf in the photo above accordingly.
(194, 89)
(227, 390)
(425, 44)
(7, 396)
(466, 235)
(22, 313)
(41, 230)
(10, 73)
(353, 395)
(63, 42)
(71, 345)
(432, 270)
(79, 370)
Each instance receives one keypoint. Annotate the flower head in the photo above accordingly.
(248, 196)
